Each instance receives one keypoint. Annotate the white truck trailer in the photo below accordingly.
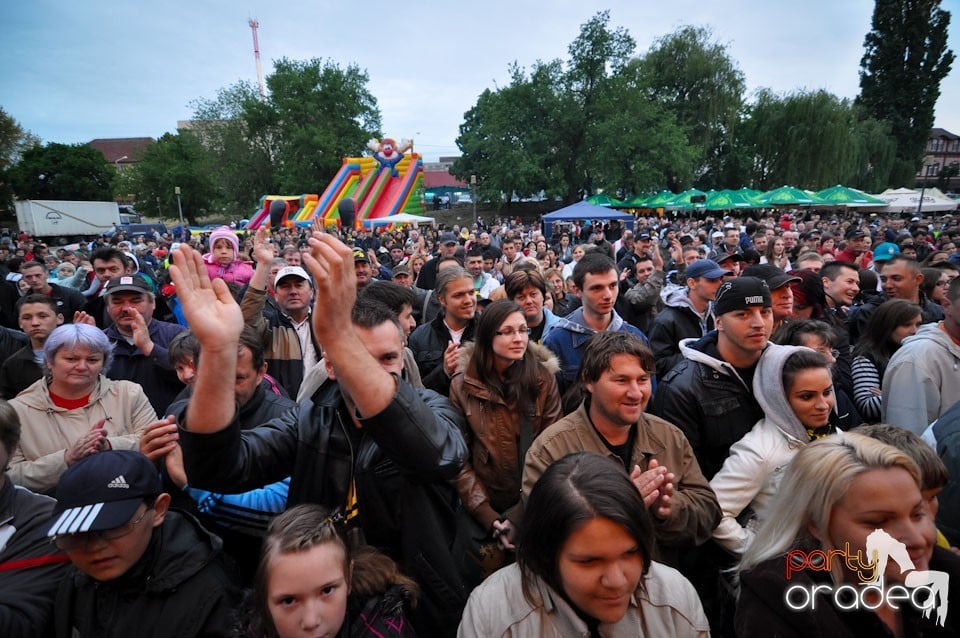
(52, 218)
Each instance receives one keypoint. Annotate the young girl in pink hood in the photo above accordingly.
(223, 260)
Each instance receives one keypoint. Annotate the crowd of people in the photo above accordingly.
(677, 428)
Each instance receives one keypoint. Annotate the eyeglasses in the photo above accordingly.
(829, 352)
(509, 332)
(77, 541)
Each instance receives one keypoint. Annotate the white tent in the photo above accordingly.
(402, 218)
(904, 200)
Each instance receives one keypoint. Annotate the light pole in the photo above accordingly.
(473, 198)
(117, 161)
(928, 170)
(176, 191)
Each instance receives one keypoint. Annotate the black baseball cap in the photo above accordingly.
(103, 491)
(127, 283)
(775, 277)
(741, 293)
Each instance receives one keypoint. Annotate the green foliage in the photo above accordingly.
(233, 128)
(61, 171)
(14, 140)
(294, 142)
(570, 128)
(904, 62)
(324, 113)
(695, 78)
(816, 140)
(174, 160)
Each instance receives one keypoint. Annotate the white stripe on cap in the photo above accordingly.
(54, 529)
(75, 525)
(65, 523)
(91, 517)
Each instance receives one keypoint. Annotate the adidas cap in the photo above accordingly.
(103, 491)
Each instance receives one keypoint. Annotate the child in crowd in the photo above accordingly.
(311, 581)
(223, 260)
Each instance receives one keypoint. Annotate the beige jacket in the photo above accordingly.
(665, 606)
(695, 511)
(47, 431)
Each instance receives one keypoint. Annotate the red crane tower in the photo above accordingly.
(254, 25)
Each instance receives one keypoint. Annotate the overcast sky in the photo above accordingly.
(75, 71)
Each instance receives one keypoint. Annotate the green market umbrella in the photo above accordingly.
(851, 197)
(683, 200)
(602, 199)
(637, 201)
(729, 200)
(788, 196)
(658, 200)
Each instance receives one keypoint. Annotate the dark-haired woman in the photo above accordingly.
(891, 323)
(507, 394)
(794, 387)
(585, 565)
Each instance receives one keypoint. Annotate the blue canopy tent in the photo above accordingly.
(584, 211)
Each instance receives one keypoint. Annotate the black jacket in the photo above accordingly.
(761, 610)
(674, 323)
(706, 398)
(27, 592)
(428, 343)
(18, 372)
(401, 462)
(154, 373)
(182, 586)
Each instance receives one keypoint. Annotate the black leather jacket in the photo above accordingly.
(703, 396)
(401, 461)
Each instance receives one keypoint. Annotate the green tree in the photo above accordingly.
(14, 140)
(62, 171)
(503, 137)
(321, 114)
(813, 140)
(175, 160)
(571, 128)
(695, 78)
(904, 61)
(229, 127)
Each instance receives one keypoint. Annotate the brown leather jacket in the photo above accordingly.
(489, 483)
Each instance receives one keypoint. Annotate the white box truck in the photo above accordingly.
(45, 218)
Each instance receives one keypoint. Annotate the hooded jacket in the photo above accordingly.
(678, 320)
(568, 336)
(751, 474)
(708, 400)
(49, 430)
(181, 587)
(922, 379)
(489, 483)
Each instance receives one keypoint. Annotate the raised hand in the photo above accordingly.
(262, 250)
(211, 312)
(330, 261)
(141, 334)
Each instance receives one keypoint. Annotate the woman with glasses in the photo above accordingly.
(794, 387)
(75, 411)
(507, 393)
(892, 322)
